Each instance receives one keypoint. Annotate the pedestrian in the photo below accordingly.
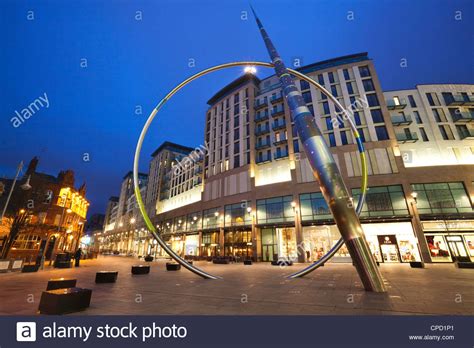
(77, 256)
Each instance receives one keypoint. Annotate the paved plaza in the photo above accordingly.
(250, 290)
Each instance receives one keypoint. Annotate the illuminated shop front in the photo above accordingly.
(192, 245)
(238, 243)
(388, 241)
(450, 240)
(210, 244)
(276, 218)
(238, 231)
(279, 243)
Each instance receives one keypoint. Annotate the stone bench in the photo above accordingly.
(140, 269)
(465, 264)
(62, 301)
(282, 263)
(247, 262)
(106, 277)
(61, 283)
(173, 266)
(29, 268)
(62, 264)
(417, 264)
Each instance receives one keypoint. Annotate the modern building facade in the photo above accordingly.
(256, 196)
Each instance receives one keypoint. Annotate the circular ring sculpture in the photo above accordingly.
(144, 131)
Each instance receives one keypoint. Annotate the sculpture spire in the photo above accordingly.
(326, 172)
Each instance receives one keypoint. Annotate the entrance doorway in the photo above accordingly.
(389, 248)
(269, 245)
(457, 248)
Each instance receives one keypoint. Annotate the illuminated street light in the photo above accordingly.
(250, 70)
(132, 220)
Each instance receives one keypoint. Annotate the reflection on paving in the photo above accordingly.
(250, 290)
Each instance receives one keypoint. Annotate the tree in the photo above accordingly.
(19, 222)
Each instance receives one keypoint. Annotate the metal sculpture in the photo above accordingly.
(327, 173)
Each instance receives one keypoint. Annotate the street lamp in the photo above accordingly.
(414, 195)
(132, 220)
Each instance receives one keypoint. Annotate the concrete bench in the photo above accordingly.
(62, 301)
(61, 283)
(106, 277)
(465, 264)
(248, 262)
(417, 264)
(282, 263)
(173, 266)
(29, 268)
(140, 269)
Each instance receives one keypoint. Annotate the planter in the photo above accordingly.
(106, 277)
(64, 301)
(140, 269)
(173, 266)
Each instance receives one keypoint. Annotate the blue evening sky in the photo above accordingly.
(134, 63)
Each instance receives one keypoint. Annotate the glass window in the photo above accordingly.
(368, 85)
(382, 201)
(331, 77)
(304, 84)
(194, 221)
(377, 116)
(313, 207)
(442, 198)
(211, 218)
(273, 210)
(364, 71)
(372, 100)
(329, 125)
(439, 251)
(344, 138)
(418, 117)
(237, 214)
(382, 133)
(326, 108)
(307, 97)
(357, 118)
(321, 79)
(350, 89)
(296, 146)
(332, 139)
(423, 134)
(346, 74)
(411, 100)
(429, 96)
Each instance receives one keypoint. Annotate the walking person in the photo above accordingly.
(77, 256)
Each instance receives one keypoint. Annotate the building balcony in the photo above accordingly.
(281, 141)
(469, 134)
(263, 159)
(394, 104)
(261, 131)
(401, 120)
(458, 99)
(259, 104)
(276, 98)
(278, 112)
(407, 137)
(283, 154)
(277, 126)
(260, 118)
(262, 145)
(463, 117)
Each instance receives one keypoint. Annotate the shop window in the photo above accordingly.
(439, 250)
(445, 198)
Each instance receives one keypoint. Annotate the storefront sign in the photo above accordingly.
(387, 239)
(448, 225)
